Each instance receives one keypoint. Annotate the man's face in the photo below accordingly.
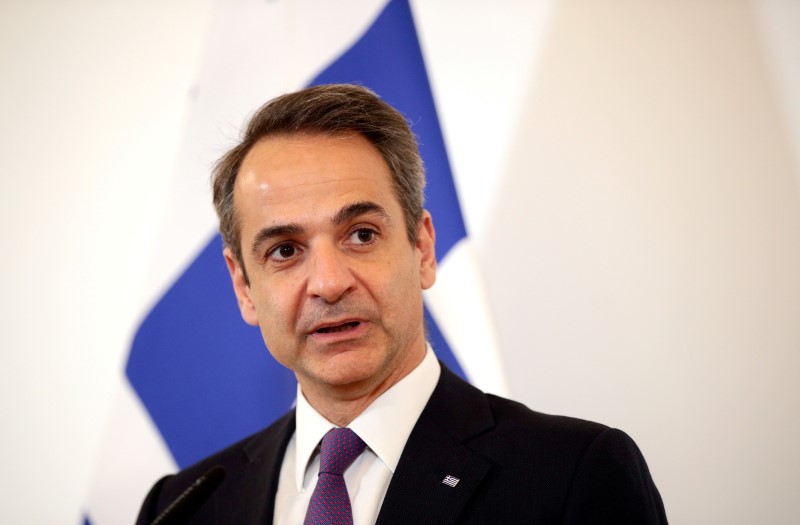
(335, 284)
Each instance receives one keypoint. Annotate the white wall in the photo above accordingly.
(630, 177)
(92, 104)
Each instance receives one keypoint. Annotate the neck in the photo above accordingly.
(341, 404)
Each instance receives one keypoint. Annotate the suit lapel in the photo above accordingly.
(436, 449)
(264, 455)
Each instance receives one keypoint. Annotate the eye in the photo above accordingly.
(283, 252)
(363, 236)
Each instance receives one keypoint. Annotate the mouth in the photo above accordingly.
(335, 328)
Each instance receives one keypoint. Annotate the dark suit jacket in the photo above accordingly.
(514, 466)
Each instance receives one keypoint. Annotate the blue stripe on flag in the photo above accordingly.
(201, 372)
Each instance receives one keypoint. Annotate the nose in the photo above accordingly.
(329, 277)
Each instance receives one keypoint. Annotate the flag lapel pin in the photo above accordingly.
(450, 481)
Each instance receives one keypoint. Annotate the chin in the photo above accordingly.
(351, 370)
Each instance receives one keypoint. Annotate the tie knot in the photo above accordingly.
(340, 446)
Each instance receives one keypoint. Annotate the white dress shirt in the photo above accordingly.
(384, 426)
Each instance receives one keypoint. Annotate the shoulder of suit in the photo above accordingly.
(510, 410)
(241, 452)
(522, 424)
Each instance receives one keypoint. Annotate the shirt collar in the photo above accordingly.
(401, 405)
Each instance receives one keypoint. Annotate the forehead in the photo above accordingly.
(302, 177)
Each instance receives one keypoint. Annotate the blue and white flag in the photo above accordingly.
(198, 378)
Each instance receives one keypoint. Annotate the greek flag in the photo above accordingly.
(197, 377)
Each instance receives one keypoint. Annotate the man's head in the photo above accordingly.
(334, 109)
(320, 209)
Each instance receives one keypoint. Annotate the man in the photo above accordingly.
(329, 248)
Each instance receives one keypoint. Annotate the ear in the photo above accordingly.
(240, 288)
(426, 244)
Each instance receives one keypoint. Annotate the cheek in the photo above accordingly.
(276, 305)
(402, 288)
(280, 309)
(277, 321)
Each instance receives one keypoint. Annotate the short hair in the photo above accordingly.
(332, 109)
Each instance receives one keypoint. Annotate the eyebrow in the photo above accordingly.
(271, 232)
(344, 215)
(357, 209)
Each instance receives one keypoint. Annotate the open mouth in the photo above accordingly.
(338, 328)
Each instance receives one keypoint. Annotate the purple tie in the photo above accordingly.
(330, 503)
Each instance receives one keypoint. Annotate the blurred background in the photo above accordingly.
(629, 174)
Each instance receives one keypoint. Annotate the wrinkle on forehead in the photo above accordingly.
(282, 180)
(273, 196)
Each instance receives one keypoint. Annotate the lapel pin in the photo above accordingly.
(450, 481)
